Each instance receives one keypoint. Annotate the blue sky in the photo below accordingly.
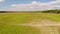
(27, 5)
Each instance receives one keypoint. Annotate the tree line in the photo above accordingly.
(51, 11)
(46, 11)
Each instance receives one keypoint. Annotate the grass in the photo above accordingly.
(11, 29)
(16, 18)
(54, 17)
(26, 17)
(19, 17)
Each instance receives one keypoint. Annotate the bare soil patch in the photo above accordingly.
(44, 26)
(44, 22)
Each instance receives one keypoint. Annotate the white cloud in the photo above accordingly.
(35, 6)
(13, 5)
(34, 2)
(2, 0)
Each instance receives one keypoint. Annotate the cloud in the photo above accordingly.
(2, 0)
(35, 6)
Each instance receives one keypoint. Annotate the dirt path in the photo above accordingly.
(49, 30)
(42, 23)
(43, 26)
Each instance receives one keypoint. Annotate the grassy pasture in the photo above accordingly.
(20, 17)
(27, 17)
(11, 29)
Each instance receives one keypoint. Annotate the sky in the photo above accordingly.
(28, 5)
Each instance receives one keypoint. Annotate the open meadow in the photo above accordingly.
(29, 23)
(29, 16)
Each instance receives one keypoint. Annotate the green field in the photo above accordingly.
(18, 18)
